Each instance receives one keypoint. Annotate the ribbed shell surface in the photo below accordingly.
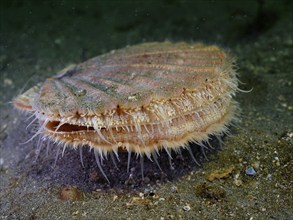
(130, 78)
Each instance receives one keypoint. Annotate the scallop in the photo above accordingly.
(140, 99)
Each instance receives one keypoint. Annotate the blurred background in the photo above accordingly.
(37, 38)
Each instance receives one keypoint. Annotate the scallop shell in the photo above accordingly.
(138, 99)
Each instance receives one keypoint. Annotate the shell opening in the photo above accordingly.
(54, 126)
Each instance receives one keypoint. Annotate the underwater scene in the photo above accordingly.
(172, 109)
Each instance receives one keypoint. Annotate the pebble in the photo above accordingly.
(8, 82)
(269, 177)
(237, 181)
(186, 208)
(174, 189)
(250, 172)
(149, 191)
(71, 194)
(220, 174)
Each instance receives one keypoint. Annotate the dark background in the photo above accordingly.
(39, 38)
(52, 34)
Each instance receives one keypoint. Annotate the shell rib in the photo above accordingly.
(140, 99)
